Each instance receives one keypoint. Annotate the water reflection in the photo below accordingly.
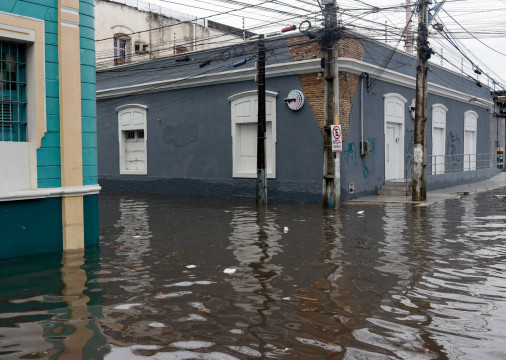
(51, 313)
(368, 282)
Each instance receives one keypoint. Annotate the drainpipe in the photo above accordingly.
(362, 76)
(362, 153)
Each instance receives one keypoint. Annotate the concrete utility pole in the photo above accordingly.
(420, 143)
(409, 47)
(331, 191)
(261, 168)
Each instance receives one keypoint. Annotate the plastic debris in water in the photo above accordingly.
(191, 266)
(285, 229)
(229, 270)
(126, 306)
(157, 325)
(360, 212)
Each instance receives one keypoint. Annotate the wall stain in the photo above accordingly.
(452, 144)
(182, 134)
(351, 155)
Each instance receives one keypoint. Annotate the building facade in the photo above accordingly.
(48, 185)
(192, 129)
(135, 30)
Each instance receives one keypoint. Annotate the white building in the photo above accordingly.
(135, 30)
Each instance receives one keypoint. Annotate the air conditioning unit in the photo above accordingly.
(141, 48)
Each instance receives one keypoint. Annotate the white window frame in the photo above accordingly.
(470, 125)
(439, 124)
(20, 158)
(270, 106)
(125, 125)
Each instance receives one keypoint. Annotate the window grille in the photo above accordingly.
(12, 91)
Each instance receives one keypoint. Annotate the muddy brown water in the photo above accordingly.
(198, 278)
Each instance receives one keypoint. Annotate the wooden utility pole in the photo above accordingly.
(420, 140)
(331, 193)
(261, 168)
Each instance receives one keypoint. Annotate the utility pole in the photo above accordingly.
(331, 192)
(420, 144)
(261, 133)
(409, 48)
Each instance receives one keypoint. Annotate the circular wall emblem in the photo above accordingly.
(295, 99)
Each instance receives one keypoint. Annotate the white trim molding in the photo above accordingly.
(252, 92)
(139, 106)
(69, 191)
(292, 68)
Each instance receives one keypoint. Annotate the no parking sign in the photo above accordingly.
(337, 139)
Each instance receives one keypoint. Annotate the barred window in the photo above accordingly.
(12, 91)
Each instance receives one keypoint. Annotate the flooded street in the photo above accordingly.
(198, 278)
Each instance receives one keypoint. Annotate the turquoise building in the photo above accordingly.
(48, 147)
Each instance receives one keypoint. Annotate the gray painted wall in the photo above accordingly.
(368, 173)
(375, 53)
(189, 144)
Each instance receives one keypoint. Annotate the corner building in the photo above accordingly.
(48, 152)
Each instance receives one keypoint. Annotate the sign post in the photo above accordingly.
(337, 138)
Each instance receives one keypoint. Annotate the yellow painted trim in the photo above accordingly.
(30, 31)
(74, 4)
(73, 222)
(69, 68)
(72, 18)
(70, 104)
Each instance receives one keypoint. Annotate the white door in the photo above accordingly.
(438, 150)
(469, 150)
(394, 152)
(394, 136)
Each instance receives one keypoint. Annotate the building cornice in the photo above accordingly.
(68, 191)
(293, 68)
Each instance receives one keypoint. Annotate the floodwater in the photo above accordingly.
(196, 278)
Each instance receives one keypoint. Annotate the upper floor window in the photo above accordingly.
(121, 48)
(12, 91)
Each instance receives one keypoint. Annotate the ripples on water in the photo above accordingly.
(194, 278)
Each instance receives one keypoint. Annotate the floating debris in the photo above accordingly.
(191, 266)
(126, 306)
(230, 270)
(360, 212)
(157, 325)
(285, 229)
(172, 295)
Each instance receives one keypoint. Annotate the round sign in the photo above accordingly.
(336, 133)
(297, 99)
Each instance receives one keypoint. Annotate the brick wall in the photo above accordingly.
(313, 85)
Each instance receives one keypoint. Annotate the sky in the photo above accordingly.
(473, 35)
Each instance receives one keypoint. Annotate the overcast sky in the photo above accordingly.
(461, 20)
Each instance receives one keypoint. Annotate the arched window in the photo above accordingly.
(132, 134)
(438, 138)
(244, 110)
(121, 48)
(470, 127)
